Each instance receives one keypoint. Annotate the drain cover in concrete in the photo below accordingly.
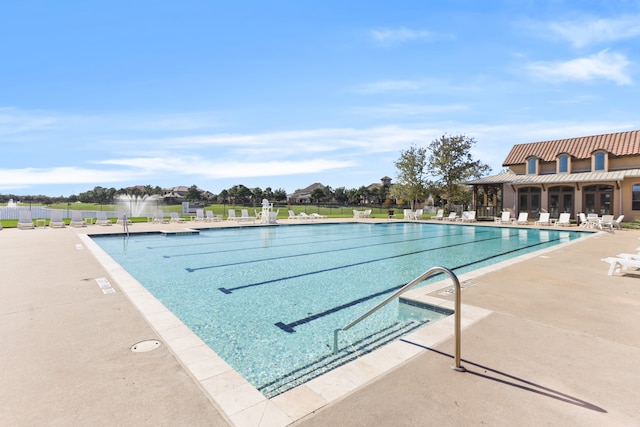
(147, 345)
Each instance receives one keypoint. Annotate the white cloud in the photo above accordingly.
(401, 35)
(593, 31)
(603, 65)
(409, 109)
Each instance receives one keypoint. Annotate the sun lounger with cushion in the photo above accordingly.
(25, 220)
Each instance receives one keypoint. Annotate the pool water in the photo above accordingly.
(267, 299)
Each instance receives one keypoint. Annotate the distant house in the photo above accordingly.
(304, 195)
(591, 174)
(174, 195)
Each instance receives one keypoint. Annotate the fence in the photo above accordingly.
(11, 212)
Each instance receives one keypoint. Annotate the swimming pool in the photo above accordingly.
(267, 299)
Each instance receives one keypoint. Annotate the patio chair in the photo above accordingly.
(232, 215)
(564, 220)
(606, 222)
(439, 215)
(452, 216)
(408, 214)
(55, 220)
(101, 219)
(211, 217)
(583, 220)
(616, 263)
(200, 215)
(244, 216)
(544, 219)
(76, 219)
(523, 218)
(174, 217)
(159, 217)
(505, 218)
(25, 220)
(616, 222)
(469, 217)
(417, 214)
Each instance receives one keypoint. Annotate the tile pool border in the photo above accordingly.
(243, 405)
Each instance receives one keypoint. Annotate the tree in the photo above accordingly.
(317, 195)
(194, 194)
(411, 179)
(451, 163)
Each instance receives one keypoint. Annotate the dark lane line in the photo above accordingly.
(250, 285)
(289, 327)
(192, 269)
(305, 243)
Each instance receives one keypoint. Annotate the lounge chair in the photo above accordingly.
(452, 216)
(292, 214)
(357, 214)
(212, 217)
(232, 215)
(505, 218)
(564, 220)
(583, 220)
(408, 214)
(468, 216)
(439, 215)
(174, 217)
(76, 219)
(25, 220)
(245, 216)
(318, 216)
(544, 219)
(523, 218)
(159, 217)
(616, 223)
(200, 215)
(101, 219)
(55, 220)
(616, 263)
(606, 222)
(366, 213)
(121, 216)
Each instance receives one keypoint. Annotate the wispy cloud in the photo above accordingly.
(592, 31)
(603, 65)
(405, 110)
(389, 36)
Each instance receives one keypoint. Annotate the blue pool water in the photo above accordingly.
(267, 299)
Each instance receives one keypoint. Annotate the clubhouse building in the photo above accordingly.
(592, 174)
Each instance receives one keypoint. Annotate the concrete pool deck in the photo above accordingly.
(556, 344)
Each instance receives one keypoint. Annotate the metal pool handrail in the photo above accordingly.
(433, 270)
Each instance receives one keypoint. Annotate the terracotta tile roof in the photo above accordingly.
(617, 144)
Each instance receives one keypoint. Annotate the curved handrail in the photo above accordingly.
(430, 272)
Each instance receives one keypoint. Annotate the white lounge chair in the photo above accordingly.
(452, 216)
(439, 215)
(616, 263)
(523, 218)
(25, 220)
(76, 219)
(200, 215)
(616, 222)
(212, 217)
(232, 215)
(544, 219)
(366, 213)
(318, 216)
(583, 220)
(505, 218)
(55, 220)
(174, 217)
(408, 214)
(101, 219)
(606, 222)
(160, 217)
(564, 220)
(292, 214)
(244, 216)
(469, 217)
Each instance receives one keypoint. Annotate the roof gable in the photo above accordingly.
(617, 144)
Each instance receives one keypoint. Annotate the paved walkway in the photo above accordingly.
(559, 348)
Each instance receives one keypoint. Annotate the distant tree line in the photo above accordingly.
(439, 169)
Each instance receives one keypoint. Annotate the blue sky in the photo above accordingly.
(283, 94)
